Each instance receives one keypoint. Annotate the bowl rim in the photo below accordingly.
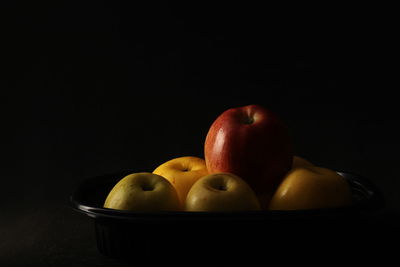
(373, 202)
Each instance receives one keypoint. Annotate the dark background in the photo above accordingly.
(97, 87)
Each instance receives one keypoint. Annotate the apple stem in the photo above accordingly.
(248, 120)
(222, 188)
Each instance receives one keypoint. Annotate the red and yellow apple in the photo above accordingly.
(311, 187)
(182, 173)
(251, 142)
(143, 192)
(221, 192)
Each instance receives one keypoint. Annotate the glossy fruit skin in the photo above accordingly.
(311, 187)
(182, 173)
(143, 191)
(221, 192)
(251, 142)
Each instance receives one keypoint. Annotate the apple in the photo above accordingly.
(182, 173)
(298, 162)
(143, 191)
(221, 192)
(311, 187)
(251, 142)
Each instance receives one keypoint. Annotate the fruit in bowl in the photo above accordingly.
(143, 192)
(249, 165)
(252, 143)
(311, 187)
(221, 192)
(182, 173)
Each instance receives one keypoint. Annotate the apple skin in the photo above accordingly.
(220, 192)
(251, 142)
(311, 187)
(143, 191)
(182, 173)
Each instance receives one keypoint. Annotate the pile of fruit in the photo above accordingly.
(249, 165)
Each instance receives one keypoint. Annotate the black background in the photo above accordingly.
(96, 87)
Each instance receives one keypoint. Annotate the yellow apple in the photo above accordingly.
(311, 187)
(182, 173)
(221, 192)
(298, 162)
(143, 191)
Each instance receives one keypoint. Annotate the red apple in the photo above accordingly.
(251, 142)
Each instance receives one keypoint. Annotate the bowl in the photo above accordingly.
(123, 234)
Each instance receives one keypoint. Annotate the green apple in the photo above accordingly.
(143, 192)
(221, 192)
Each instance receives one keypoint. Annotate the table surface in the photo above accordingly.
(55, 235)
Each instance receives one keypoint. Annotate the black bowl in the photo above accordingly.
(122, 234)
